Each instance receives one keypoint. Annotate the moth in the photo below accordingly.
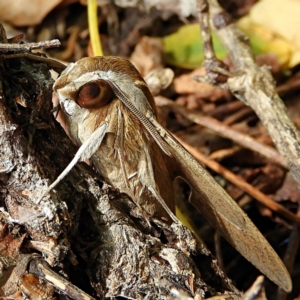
(112, 116)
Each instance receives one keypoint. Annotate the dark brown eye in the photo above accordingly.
(94, 94)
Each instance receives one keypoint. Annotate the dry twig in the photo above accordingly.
(227, 132)
(255, 86)
(242, 184)
(19, 48)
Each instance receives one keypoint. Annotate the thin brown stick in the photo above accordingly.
(227, 132)
(58, 281)
(289, 87)
(226, 109)
(241, 183)
(239, 138)
(28, 46)
(224, 153)
(216, 70)
(242, 114)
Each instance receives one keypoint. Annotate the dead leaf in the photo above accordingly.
(159, 79)
(185, 84)
(276, 27)
(34, 288)
(148, 55)
(25, 13)
(183, 8)
(256, 291)
(288, 191)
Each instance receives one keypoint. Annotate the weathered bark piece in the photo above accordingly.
(138, 260)
(25, 155)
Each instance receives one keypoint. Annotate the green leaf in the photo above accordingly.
(184, 48)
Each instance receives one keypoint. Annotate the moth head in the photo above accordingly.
(93, 82)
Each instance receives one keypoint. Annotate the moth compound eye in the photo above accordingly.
(89, 95)
(89, 92)
(94, 94)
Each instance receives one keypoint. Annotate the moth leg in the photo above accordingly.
(56, 109)
(162, 202)
(86, 150)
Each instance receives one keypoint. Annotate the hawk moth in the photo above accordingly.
(111, 115)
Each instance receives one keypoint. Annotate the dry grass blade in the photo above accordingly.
(227, 132)
(93, 27)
